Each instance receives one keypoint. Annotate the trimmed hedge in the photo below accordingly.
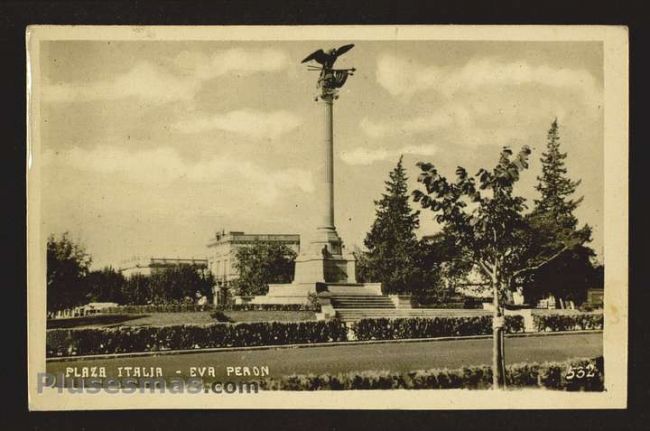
(548, 375)
(568, 322)
(270, 307)
(176, 308)
(72, 342)
(417, 327)
(445, 305)
(156, 308)
(93, 341)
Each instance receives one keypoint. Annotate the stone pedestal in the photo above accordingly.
(322, 264)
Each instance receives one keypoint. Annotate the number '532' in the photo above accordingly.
(585, 372)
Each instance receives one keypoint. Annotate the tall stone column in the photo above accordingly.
(326, 235)
(322, 260)
(327, 220)
(322, 265)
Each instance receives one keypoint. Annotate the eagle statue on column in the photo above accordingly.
(330, 78)
(327, 59)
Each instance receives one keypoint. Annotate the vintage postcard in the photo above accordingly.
(328, 217)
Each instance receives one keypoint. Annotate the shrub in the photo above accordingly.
(220, 316)
(395, 329)
(549, 375)
(514, 324)
(453, 305)
(568, 322)
(272, 307)
(71, 342)
(180, 307)
(157, 308)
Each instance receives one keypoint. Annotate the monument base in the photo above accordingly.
(321, 266)
(299, 293)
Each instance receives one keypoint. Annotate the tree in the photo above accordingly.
(440, 257)
(106, 285)
(67, 266)
(394, 255)
(484, 220)
(179, 282)
(263, 263)
(137, 290)
(568, 277)
(571, 274)
(554, 186)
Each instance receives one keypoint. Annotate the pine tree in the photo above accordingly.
(393, 249)
(554, 185)
(572, 273)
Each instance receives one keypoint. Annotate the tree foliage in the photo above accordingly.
(485, 221)
(572, 273)
(137, 290)
(168, 285)
(106, 285)
(67, 266)
(263, 263)
(441, 257)
(554, 186)
(178, 283)
(394, 255)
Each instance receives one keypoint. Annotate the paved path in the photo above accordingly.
(387, 356)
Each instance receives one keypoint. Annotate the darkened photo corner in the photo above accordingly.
(247, 216)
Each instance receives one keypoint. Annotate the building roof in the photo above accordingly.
(237, 237)
(158, 262)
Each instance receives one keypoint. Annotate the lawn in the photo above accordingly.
(392, 356)
(204, 317)
(152, 319)
(268, 316)
(544, 311)
(178, 318)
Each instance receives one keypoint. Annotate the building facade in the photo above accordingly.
(224, 246)
(152, 265)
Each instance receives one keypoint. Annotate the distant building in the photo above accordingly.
(152, 265)
(223, 251)
(595, 297)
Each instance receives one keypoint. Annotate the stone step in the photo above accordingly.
(362, 302)
(362, 299)
(349, 314)
(354, 289)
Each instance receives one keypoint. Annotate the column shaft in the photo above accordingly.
(328, 168)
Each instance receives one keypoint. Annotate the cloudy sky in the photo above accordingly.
(151, 147)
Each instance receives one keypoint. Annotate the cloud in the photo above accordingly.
(454, 115)
(404, 77)
(164, 166)
(147, 81)
(144, 81)
(251, 123)
(235, 60)
(368, 156)
(478, 119)
(484, 102)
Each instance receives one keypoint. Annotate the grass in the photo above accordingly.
(268, 316)
(114, 320)
(204, 317)
(178, 318)
(563, 311)
(394, 356)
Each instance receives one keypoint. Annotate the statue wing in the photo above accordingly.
(319, 56)
(344, 49)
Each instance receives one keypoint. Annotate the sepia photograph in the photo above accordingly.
(367, 217)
